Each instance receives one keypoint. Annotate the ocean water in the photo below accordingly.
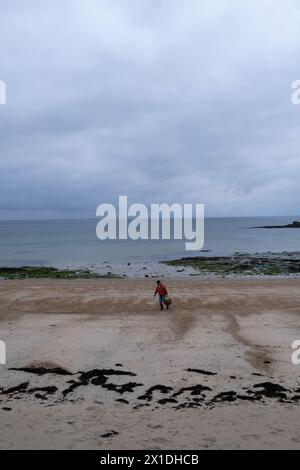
(73, 243)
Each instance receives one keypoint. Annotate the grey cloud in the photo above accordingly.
(160, 100)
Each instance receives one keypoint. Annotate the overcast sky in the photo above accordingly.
(162, 100)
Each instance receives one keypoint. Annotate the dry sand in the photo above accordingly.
(239, 330)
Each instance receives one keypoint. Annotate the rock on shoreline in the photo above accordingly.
(41, 272)
(295, 224)
(245, 264)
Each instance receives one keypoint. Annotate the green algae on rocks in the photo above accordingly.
(243, 264)
(40, 272)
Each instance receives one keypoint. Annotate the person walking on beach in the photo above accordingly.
(161, 290)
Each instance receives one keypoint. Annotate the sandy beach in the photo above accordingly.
(94, 364)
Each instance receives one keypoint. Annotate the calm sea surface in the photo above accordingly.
(74, 242)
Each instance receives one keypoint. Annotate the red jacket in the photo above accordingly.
(161, 290)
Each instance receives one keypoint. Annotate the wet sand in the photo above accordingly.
(103, 368)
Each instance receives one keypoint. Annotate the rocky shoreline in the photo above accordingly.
(295, 224)
(40, 272)
(270, 264)
(238, 264)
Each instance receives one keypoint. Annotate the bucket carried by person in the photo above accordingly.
(168, 300)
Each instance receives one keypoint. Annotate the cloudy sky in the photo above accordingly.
(162, 100)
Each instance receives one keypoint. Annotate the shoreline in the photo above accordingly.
(285, 265)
